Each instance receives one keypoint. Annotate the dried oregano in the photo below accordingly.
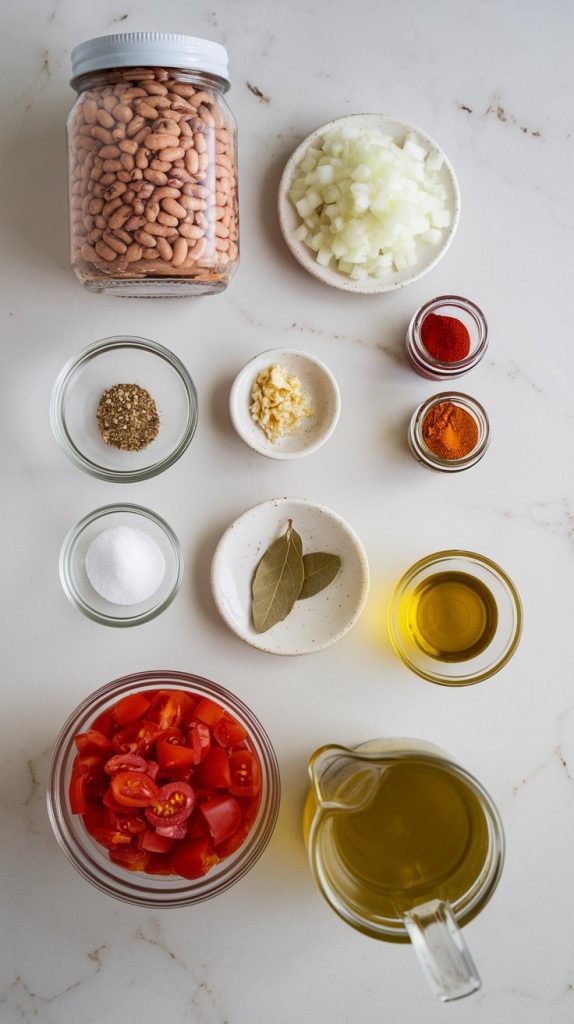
(128, 417)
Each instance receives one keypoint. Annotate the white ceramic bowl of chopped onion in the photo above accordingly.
(319, 398)
(368, 204)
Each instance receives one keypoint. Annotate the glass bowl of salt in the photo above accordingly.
(121, 565)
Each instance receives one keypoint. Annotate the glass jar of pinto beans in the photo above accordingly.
(152, 166)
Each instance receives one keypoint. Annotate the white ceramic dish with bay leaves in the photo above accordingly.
(313, 623)
(319, 388)
(428, 255)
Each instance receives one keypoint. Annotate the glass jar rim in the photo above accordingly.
(150, 49)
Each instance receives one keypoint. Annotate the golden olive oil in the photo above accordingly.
(423, 835)
(452, 616)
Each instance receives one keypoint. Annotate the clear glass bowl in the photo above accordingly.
(488, 660)
(123, 360)
(77, 586)
(424, 454)
(475, 322)
(91, 859)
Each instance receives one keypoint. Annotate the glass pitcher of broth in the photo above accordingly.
(405, 845)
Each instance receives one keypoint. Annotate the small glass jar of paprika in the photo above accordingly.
(446, 337)
(449, 432)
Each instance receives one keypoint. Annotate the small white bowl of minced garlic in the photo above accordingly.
(284, 403)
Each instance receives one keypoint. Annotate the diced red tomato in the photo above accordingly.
(199, 736)
(129, 708)
(89, 762)
(105, 723)
(214, 770)
(112, 804)
(96, 785)
(203, 794)
(92, 741)
(133, 789)
(130, 824)
(154, 843)
(197, 825)
(125, 763)
(229, 732)
(193, 858)
(230, 845)
(171, 754)
(176, 775)
(208, 711)
(187, 704)
(245, 773)
(77, 793)
(88, 782)
(103, 831)
(209, 791)
(167, 709)
(159, 864)
(165, 703)
(111, 838)
(223, 816)
(94, 817)
(136, 738)
(172, 805)
(249, 808)
(173, 831)
(129, 857)
(174, 735)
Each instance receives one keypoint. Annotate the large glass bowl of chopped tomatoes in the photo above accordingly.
(163, 789)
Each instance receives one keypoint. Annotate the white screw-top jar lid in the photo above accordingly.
(150, 49)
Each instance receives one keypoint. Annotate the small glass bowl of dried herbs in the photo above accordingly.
(124, 409)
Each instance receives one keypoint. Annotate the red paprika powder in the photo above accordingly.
(445, 338)
(450, 431)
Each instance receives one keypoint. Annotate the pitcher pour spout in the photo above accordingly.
(332, 764)
(323, 759)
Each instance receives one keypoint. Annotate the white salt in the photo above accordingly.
(125, 566)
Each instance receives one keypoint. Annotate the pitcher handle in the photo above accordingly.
(441, 950)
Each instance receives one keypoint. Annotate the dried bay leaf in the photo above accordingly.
(320, 570)
(278, 580)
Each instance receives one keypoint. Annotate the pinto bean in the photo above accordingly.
(153, 179)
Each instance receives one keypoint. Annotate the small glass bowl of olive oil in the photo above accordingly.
(455, 618)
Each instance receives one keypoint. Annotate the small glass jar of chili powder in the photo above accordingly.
(449, 432)
(447, 337)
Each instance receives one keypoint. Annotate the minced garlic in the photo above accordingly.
(278, 404)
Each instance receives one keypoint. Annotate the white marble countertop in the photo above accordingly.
(492, 83)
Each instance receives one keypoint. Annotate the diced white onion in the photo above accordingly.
(433, 235)
(366, 201)
(434, 161)
(440, 218)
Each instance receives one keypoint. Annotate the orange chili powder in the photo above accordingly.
(449, 431)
